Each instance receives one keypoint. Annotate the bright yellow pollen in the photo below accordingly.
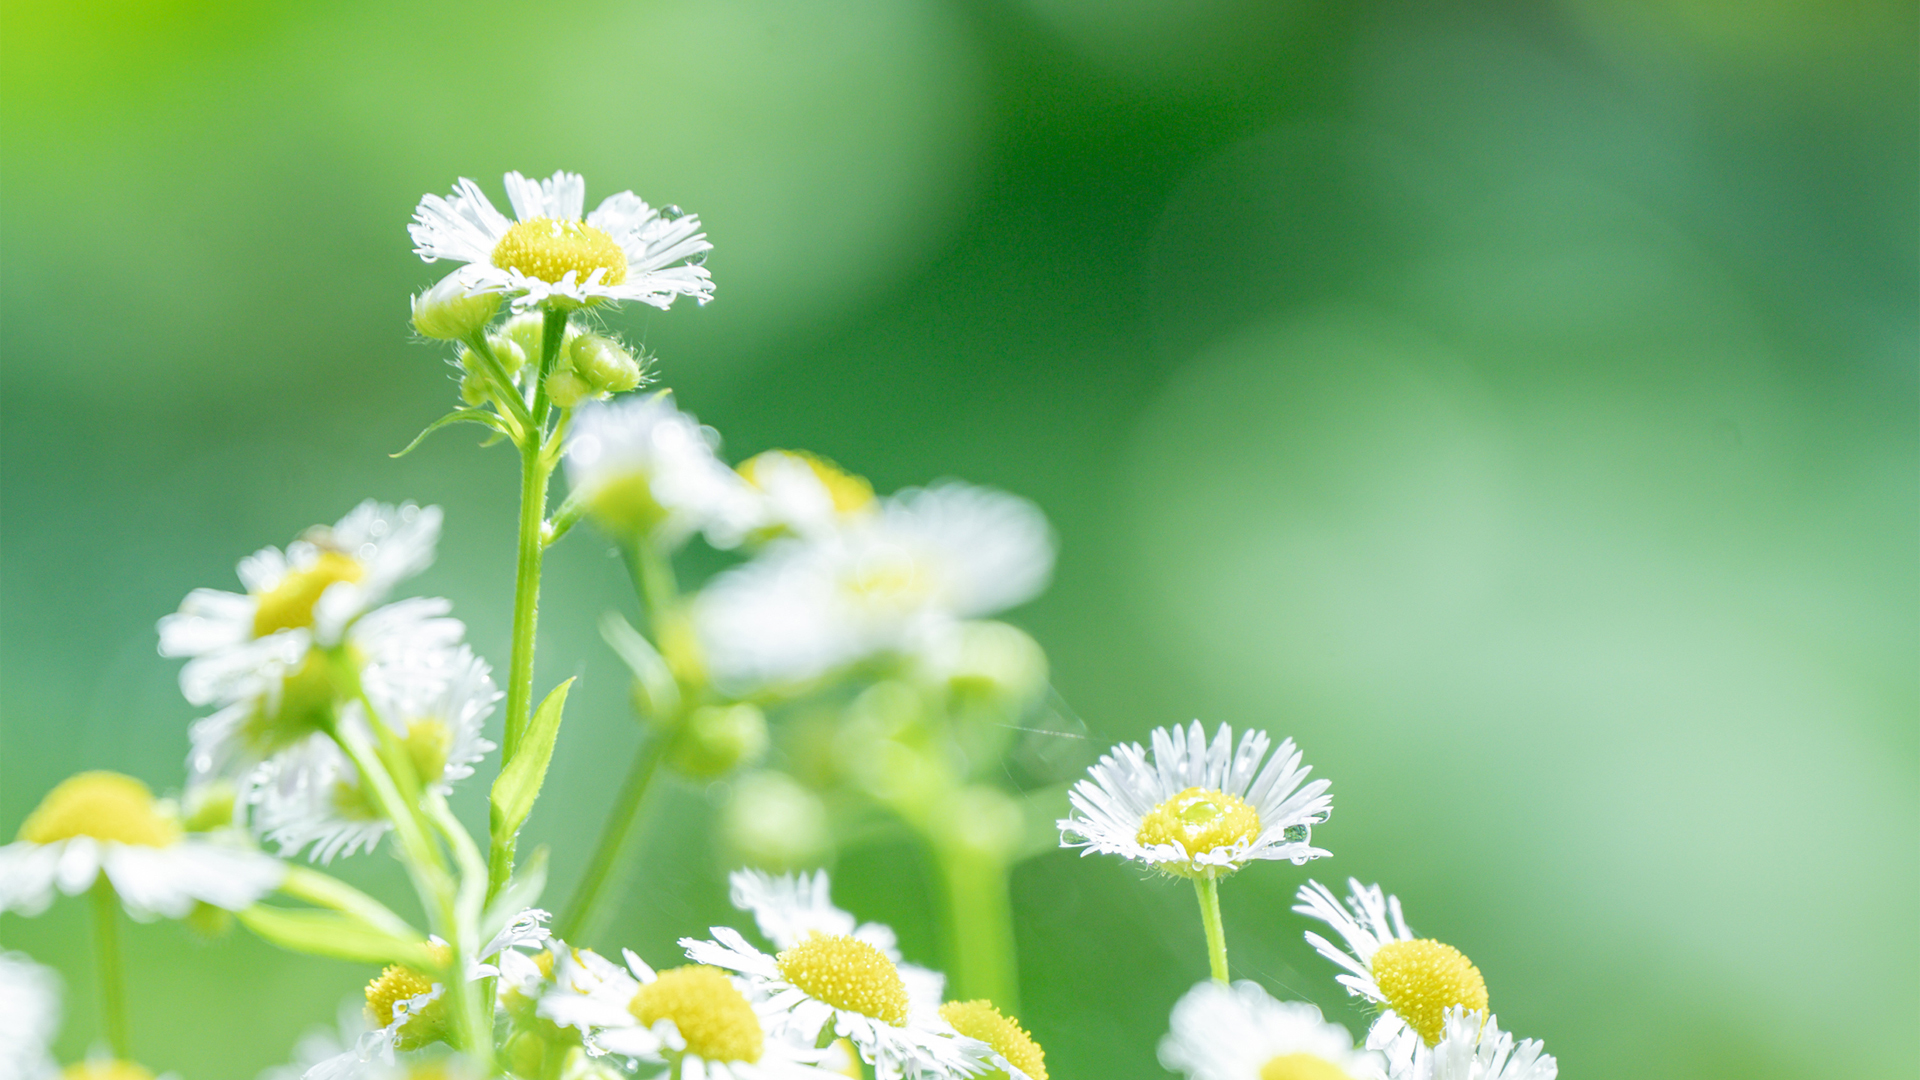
(847, 973)
(1200, 820)
(709, 1013)
(981, 1020)
(103, 805)
(290, 603)
(105, 1069)
(850, 493)
(395, 984)
(1422, 979)
(1302, 1067)
(547, 248)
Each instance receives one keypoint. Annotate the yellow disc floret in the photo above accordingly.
(106, 1069)
(850, 493)
(549, 249)
(1422, 979)
(395, 984)
(1302, 1067)
(290, 603)
(103, 805)
(710, 1014)
(1200, 820)
(847, 973)
(981, 1020)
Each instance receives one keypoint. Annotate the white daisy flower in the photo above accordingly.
(624, 250)
(1472, 1047)
(1414, 980)
(647, 469)
(790, 909)
(319, 584)
(1196, 809)
(29, 1018)
(696, 1019)
(311, 794)
(102, 822)
(290, 695)
(806, 494)
(1239, 1032)
(898, 580)
(851, 987)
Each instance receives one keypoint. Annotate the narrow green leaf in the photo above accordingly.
(303, 883)
(482, 417)
(519, 783)
(329, 933)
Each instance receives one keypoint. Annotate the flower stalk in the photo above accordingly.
(106, 952)
(1208, 888)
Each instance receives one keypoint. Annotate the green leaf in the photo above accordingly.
(519, 783)
(329, 933)
(303, 883)
(483, 417)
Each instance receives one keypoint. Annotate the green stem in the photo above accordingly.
(613, 836)
(324, 890)
(472, 998)
(1209, 890)
(509, 395)
(106, 952)
(979, 923)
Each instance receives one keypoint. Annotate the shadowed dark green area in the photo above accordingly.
(1515, 403)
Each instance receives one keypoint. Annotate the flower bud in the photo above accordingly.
(603, 364)
(473, 389)
(566, 389)
(449, 312)
(719, 738)
(505, 349)
(529, 330)
(998, 663)
(775, 823)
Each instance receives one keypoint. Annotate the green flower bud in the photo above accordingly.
(718, 739)
(448, 312)
(1000, 664)
(603, 364)
(529, 330)
(505, 349)
(474, 389)
(566, 389)
(775, 823)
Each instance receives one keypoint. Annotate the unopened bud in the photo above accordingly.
(1000, 663)
(473, 389)
(718, 739)
(566, 389)
(775, 823)
(449, 312)
(505, 350)
(529, 330)
(603, 364)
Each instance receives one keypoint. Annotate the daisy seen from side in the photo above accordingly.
(1240, 1032)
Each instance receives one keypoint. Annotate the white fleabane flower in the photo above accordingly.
(645, 468)
(1195, 809)
(318, 585)
(1415, 980)
(898, 580)
(102, 822)
(696, 1019)
(790, 908)
(624, 250)
(311, 794)
(1239, 1032)
(806, 494)
(29, 1018)
(1472, 1047)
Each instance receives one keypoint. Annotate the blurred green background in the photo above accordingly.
(1514, 402)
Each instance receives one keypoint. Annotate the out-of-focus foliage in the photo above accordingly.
(1513, 403)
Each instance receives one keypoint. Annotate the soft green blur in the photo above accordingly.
(1515, 403)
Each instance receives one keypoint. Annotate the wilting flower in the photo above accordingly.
(624, 250)
(103, 822)
(1239, 1032)
(1196, 809)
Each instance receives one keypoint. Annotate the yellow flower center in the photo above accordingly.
(395, 984)
(105, 1069)
(981, 1020)
(290, 603)
(1200, 820)
(1302, 1067)
(709, 1013)
(849, 493)
(549, 249)
(103, 805)
(429, 742)
(1422, 979)
(847, 973)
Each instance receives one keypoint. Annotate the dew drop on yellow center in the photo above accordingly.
(548, 249)
(395, 983)
(1302, 1067)
(710, 1014)
(982, 1020)
(1422, 979)
(847, 973)
(103, 805)
(1200, 820)
(290, 604)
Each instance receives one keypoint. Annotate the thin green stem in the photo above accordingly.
(1209, 890)
(979, 924)
(106, 953)
(325, 890)
(472, 998)
(516, 406)
(613, 836)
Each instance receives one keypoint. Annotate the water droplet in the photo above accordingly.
(1296, 834)
(672, 213)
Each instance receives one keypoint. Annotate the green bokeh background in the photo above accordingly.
(1513, 402)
